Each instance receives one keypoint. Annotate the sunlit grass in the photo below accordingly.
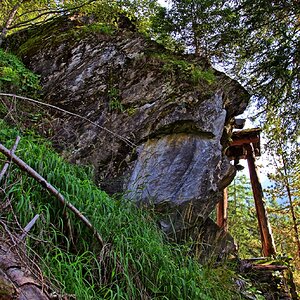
(136, 260)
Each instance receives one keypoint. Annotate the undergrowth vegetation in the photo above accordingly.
(136, 262)
(188, 71)
(15, 77)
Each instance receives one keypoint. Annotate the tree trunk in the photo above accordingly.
(17, 279)
(9, 21)
(262, 216)
(222, 211)
(292, 211)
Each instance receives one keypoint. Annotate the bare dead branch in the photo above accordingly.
(11, 236)
(49, 12)
(9, 21)
(23, 166)
(6, 165)
(127, 141)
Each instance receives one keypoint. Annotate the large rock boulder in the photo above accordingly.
(159, 120)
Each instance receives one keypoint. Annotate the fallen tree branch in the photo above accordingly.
(23, 166)
(127, 141)
(6, 165)
(28, 227)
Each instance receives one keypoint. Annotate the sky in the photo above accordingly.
(263, 162)
(163, 2)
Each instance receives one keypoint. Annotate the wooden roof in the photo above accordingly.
(240, 138)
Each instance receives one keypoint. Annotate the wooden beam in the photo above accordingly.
(222, 211)
(245, 140)
(267, 240)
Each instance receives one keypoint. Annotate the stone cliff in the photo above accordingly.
(166, 119)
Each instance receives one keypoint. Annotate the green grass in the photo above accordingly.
(136, 260)
(187, 70)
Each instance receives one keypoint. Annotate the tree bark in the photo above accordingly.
(222, 211)
(292, 211)
(268, 244)
(9, 21)
(17, 279)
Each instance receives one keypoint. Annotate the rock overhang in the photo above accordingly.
(175, 160)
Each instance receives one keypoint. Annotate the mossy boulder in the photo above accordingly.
(160, 120)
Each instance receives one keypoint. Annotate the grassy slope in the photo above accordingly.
(136, 260)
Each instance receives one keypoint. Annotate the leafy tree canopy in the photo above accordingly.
(257, 42)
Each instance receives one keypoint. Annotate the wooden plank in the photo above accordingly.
(269, 267)
(245, 141)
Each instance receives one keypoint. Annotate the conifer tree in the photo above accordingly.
(285, 152)
(257, 42)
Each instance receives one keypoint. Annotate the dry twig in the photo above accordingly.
(127, 141)
(28, 227)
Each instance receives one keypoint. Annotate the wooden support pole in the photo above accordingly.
(267, 240)
(222, 211)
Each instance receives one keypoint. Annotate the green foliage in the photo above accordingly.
(242, 221)
(159, 28)
(264, 36)
(99, 28)
(28, 12)
(256, 42)
(195, 22)
(114, 100)
(283, 192)
(135, 261)
(186, 70)
(198, 75)
(15, 77)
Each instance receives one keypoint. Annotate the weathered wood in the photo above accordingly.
(246, 140)
(28, 227)
(222, 211)
(265, 275)
(240, 139)
(17, 280)
(23, 166)
(268, 245)
(6, 165)
(269, 267)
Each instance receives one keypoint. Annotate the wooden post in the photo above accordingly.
(267, 240)
(222, 211)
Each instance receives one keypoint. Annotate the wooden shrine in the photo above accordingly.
(246, 145)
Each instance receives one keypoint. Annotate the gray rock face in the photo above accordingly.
(183, 173)
(156, 132)
(179, 172)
